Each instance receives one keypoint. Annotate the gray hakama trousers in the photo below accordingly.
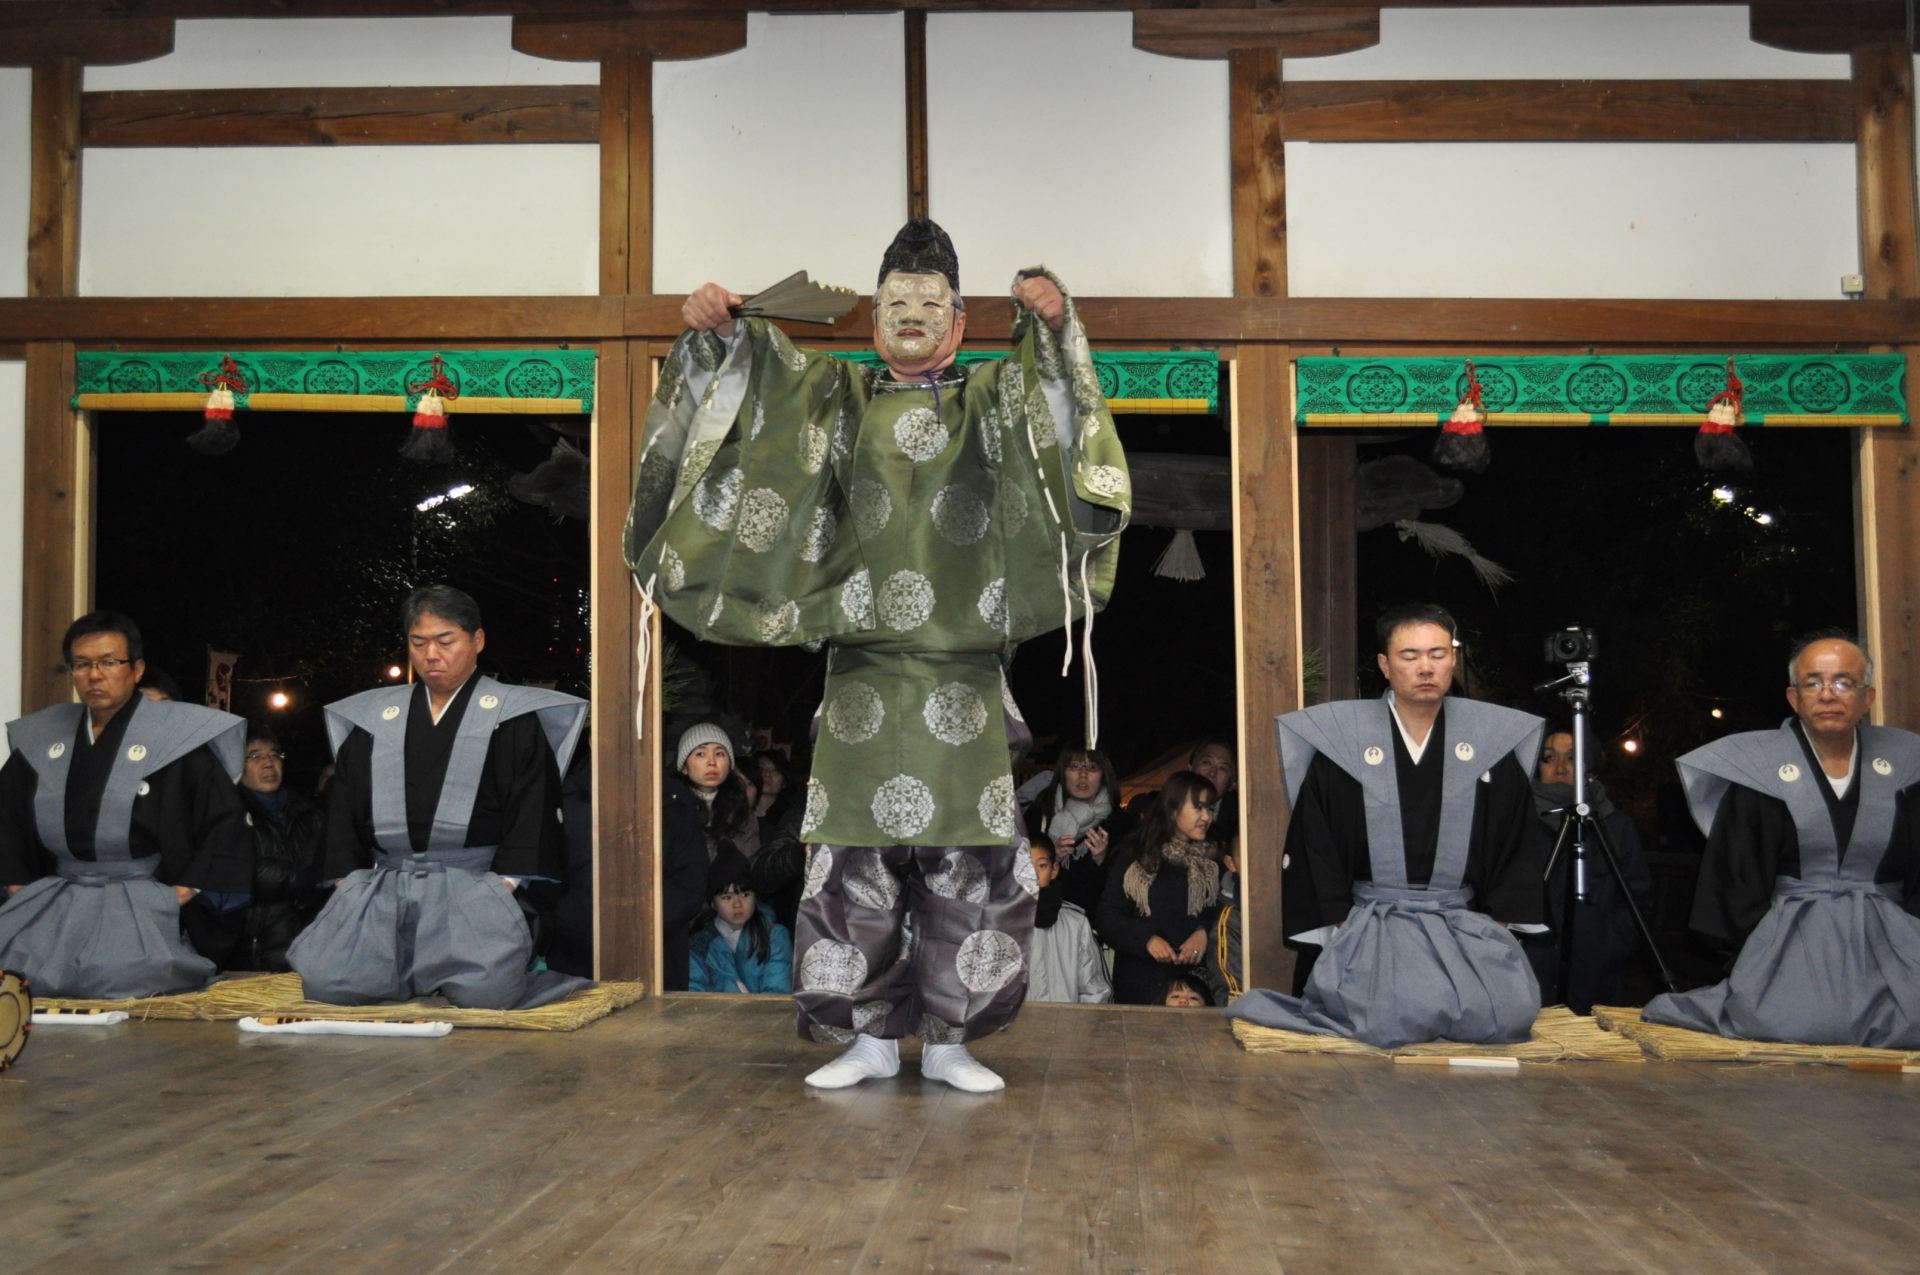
(1409, 966)
(100, 935)
(424, 925)
(1831, 963)
(900, 941)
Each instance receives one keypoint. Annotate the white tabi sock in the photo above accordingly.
(953, 1064)
(868, 1057)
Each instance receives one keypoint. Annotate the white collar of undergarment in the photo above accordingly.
(729, 933)
(1845, 781)
(1414, 751)
(441, 711)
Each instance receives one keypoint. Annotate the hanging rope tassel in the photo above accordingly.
(642, 653)
(428, 441)
(1089, 675)
(219, 435)
(1463, 443)
(1716, 446)
(1180, 560)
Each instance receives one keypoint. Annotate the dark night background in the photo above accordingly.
(296, 549)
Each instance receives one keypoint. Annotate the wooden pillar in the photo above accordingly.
(1887, 461)
(1329, 562)
(625, 768)
(57, 574)
(1257, 142)
(919, 201)
(1267, 612)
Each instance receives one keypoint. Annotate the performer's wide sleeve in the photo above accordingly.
(346, 842)
(1323, 841)
(1506, 861)
(202, 826)
(1751, 833)
(22, 858)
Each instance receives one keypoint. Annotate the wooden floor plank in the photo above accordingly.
(678, 1135)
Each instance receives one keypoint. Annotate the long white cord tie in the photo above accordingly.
(1066, 607)
(643, 651)
(1089, 675)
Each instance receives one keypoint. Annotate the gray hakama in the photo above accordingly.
(1410, 962)
(902, 940)
(1836, 958)
(438, 921)
(105, 928)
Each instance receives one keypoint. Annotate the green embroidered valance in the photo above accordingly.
(553, 380)
(1624, 389)
(1133, 380)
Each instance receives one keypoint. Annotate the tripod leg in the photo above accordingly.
(1633, 904)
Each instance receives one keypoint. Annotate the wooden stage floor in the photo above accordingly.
(677, 1136)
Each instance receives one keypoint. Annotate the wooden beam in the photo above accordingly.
(117, 9)
(1219, 32)
(53, 198)
(1267, 618)
(1887, 462)
(1329, 561)
(341, 116)
(1450, 324)
(669, 36)
(1257, 152)
(55, 513)
(1570, 111)
(625, 769)
(1827, 27)
(111, 41)
(918, 198)
(626, 176)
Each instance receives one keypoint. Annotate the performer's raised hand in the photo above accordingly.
(709, 308)
(1042, 296)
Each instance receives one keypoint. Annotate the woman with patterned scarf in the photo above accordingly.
(1163, 892)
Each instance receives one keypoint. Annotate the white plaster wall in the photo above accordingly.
(511, 220)
(790, 154)
(351, 220)
(1600, 220)
(16, 94)
(13, 404)
(341, 53)
(1052, 140)
(1652, 43)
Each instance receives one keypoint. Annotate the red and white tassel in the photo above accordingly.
(1463, 441)
(218, 435)
(1716, 446)
(428, 440)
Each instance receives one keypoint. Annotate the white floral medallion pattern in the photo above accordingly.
(987, 961)
(856, 714)
(717, 498)
(763, 518)
(919, 434)
(954, 713)
(959, 514)
(905, 600)
(903, 807)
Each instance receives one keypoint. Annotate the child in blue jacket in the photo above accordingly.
(740, 948)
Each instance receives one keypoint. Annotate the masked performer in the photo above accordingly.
(445, 797)
(922, 518)
(1410, 854)
(1812, 871)
(114, 812)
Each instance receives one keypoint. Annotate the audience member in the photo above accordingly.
(251, 931)
(1074, 814)
(783, 798)
(1604, 934)
(1163, 891)
(1063, 961)
(1213, 760)
(705, 759)
(1186, 990)
(742, 947)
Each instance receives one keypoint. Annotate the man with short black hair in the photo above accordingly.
(114, 812)
(1812, 867)
(1408, 855)
(445, 796)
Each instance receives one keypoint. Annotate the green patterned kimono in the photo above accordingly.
(785, 496)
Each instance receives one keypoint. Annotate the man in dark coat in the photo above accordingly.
(114, 813)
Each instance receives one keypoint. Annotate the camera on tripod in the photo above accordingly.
(1572, 644)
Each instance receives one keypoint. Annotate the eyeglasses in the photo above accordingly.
(1841, 686)
(259, 755)
(110, 665)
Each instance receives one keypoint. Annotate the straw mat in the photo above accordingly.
(1559, 1035)
(1680, 1044)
